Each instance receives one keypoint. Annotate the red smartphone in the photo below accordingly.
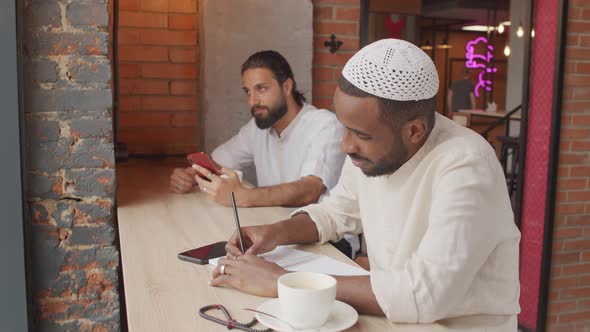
(202, 255)
(203, 160)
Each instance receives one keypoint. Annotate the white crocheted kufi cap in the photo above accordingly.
(393, 69)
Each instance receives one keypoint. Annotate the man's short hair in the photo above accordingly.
(279, 67)
(396, 113)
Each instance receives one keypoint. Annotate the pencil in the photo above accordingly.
(237, 219)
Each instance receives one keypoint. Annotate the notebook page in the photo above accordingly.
(283, 256)
(287, 257)
(297, 260)
(328, 265)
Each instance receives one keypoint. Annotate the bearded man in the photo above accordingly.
(293, 145)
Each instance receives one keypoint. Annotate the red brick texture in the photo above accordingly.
(158, 69)
(72, 261)
(341, 18)
(569, 290)
(158, 76)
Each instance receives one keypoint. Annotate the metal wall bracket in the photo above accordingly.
(333, 44)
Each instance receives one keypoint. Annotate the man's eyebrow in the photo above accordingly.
(358, 132)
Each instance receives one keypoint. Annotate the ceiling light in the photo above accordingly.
(506, 50)
(426, 46)
(477, 28)
(505, 23)
(533, 33)
(520, 31)
(444, 45)
(500, 28)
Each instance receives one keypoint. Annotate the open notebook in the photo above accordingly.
(297, 260)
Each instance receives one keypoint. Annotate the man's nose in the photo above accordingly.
(253, 99)
(348, 145)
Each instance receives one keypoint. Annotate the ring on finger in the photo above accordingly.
(222, 269)
(204, 189)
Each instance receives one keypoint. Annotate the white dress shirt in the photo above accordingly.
(310, 145)
(440, 232)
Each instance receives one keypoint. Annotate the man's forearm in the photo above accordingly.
(299, 193)
(299, 229)
(357, 292)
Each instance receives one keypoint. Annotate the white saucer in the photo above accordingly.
(341, 317)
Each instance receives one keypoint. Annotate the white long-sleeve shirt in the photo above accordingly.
(440, 231)
(310, 145)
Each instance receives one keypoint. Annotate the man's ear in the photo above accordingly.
(415, 130)
(288, 86)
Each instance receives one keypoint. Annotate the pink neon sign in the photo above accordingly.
(480, 61)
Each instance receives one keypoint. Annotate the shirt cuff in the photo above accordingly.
(223, 157)
(394, 293)
(322, 171)
(321, 221)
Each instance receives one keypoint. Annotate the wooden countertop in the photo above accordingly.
(163, 293)
(497, 114)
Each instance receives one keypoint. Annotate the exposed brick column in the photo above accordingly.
(158, 76)
(339, 17)
(569, 297)
(70, 165)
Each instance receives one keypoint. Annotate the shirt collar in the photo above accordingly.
(291, 124)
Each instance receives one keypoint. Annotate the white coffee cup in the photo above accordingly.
(306, 298)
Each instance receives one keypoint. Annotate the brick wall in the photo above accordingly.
(158, 62)
(569, 298)
(158, 76)
(339, 17)
(69, 157)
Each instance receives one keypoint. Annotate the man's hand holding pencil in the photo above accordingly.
(242, 269)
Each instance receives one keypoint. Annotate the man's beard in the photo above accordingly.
(274, 114)
(386, 166)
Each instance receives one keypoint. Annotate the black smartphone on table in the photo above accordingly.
(203, 254)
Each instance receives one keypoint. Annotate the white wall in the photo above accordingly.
(234, 29)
